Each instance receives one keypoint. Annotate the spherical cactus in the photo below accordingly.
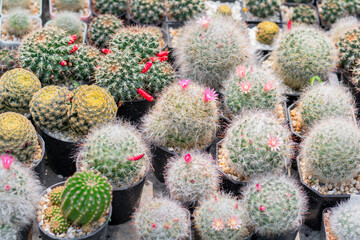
(185, 10)
(162, 219)
(185, 116)
(332, 10)
(51, 212)
(210, 48)
(224, 10)
(352, 7)
(102, 28)
(191, 177)
(19, 85)
(302, 53)
(344, 220)
(105, 152)
(263, 8)
(69, 5)
(276, 204)
(147, 11)
(86, 197)
(10, 4)
(90, 106)
(116, 7)
(341, 26)
(266, 32)
(18, 136)
(18, 22)
(331, 152)
(8, 231)
(55, 195)
(348, 48)
(70, 22)
(8, 59)
(59, 224)
(222, 217)
(257, 143)
(304, 14)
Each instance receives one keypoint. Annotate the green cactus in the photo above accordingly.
(102, 28)
(185, 116)
(348, 48)
(116, 7)
(51, 212)
(304, 14)
(299, 1)
(10, 4)
(302, 53)
(86, 197)
(183, 10)
(69, 5)
(147, 11)
(355, 78)
(162, 219)
(275, 204)
(105, 152)
(341, 26)
(8, 59)
(59, 224)
(224, 10)
(18, 136)
(352, 7)
(55, 195)
(19, 85)
(18, 22)
(70, 22)
(222, 217)
(267, 32)
(263, 8)
(331, 152)
(8, 231)
(332, 10)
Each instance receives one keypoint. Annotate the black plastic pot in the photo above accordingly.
(99, 234)
(39, 166)
(293, 4)
(287, 236)
(291, 98)
(25, 233)
(133, 111)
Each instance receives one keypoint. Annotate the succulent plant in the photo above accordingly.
(10, 4)
(352, 7)
(348, 48)
(341, 26)
(19, 85)
(51, 212)
(59, 224)
(8, 231)
(210, 48)
(183, 10)
(70, 22)
(331, 152)
(257, 143)
(276, 204)
(222, 216)
(266, 32)
(304, 14)
(18, 22)
(355, 78)
(17, 136)
(224, 10)
(344, 220)
(55, 195)
(86, 197)
(299, 1)
(102, 28)
(116, 7)
(185, 116)
(302, 53)
(8, 59)
(69, 5)
(147, 11)
(263, 8)
(162, 219)
(332, 10)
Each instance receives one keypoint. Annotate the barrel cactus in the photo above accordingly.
(180, 10)
(10, 4)
(263, 8)
(348, 48)
(116, 7)
(18, 22)
(266, 32)
(224, 10)
(69, 5)
(341, 26)
(70, 22)
(352, 7)
(304, 14)
(147, 11)
(332, 10)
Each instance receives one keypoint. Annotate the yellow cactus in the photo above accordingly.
(266, 32)
(224, 10)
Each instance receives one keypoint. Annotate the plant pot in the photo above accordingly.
(38, 168)
(83, 18)
(38, 15)
(99, 234)
(133, 111)
(25, 232)
(84, 25)
(287, 236)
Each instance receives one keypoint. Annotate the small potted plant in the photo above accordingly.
(80, 208)
(301, 13)
(119, 153)
(330, 11)
(80, 6)
(162, 219)
(146, 12)
(115, 7)
(34, 6)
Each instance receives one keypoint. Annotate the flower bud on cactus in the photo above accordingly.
(162, 219)
(332, 10)
(304, 14)
(263, 8)
(183, 117)
(331, 151)
(18, 22)
(341, 26)
(266, 32)
(276, 205)
(209, 49)
(70, 22)
(10, 4)
(222, 217)
(86, 197)
(69, 5)
(348, 47)
(116, 7)
(183, 10)
(147, 11)
(102, 28)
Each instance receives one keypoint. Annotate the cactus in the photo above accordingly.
(263, 8)
(105, 152)
(185, 116)
(59, 224)
(90, 106)
(352, 7)
(70, 22)
(147, 11)
(18, 23)
(276, 204)
(86, 197)
(8, 59)
(341, 26)
(183, 10)
(162, 219)
(8, 231)
(222, 217)
(191, 177)
(332, 10)
(69, 5)
(19, 85)
(266, 32)
(210, 48)
(331, 151)
(102, 28)
(224, 10)
(116, 7)
(55, 195)
(10, 4)
(252, 88)
(348, 48)
(304, 14)
(257, 143)
(51, 212)
(344, 220)
(302, 53)
(355, 78)
(18, 136)
(299, 1)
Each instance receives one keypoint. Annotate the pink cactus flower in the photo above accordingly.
(6, 161)
(136, 158)
(258, 187)
(7, 187)
(192, 181)
(245, 87)
(217, 224)
(204, 22)
(210, 95)
(184, 83)
(187, 158)
(269, 86)
(166, 226)
(154, 225)
(240, 70)
(274, 143)
(175, 220)
(234, 222)
(262, 208)
(236, 206)
(289, 195)
(215, 198)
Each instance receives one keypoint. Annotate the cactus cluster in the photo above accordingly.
(302, 53)
(18, 22)
(10, 4)
(69, 5)
(355, 78)
(348, 48)
(116, 7)
(332, 10)
(147, 11)
(266, 32)
(210, 48)
(222, 216)
(257, 143)
(185, 116)
(70, 22)
(183, 10)
(331, 152)
(162, 219)
(276, 205)
(263, 8)
(341, 26)
(304, 14)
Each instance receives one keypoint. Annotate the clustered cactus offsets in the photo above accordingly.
(267, 32)
(348, 47)
(210, 48)
(147, 11)
(183, 10)
(263, 8)
(18, 22)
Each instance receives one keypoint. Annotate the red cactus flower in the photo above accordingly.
(63, 63)
(175, 220)
(74, 49)
(68, 97)
(289, 25)
(166, 226)
(6, 160)
(146, 67)
(262, 208)
(145, 95)
(192, 181)
(106, 51)
(162, 54)
(154, 225)
(187, 158)
(136, 158)
(7, 187)
(73, 39)
(210, 95)
(258, 187)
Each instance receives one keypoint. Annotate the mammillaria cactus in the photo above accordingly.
(257, 143)
(55, 195)
(17, 136)
(18, 22)
(102, 28)
(302, 53)
(331, 151)
(58, 224)
(224, 10)
(70, 22)
(183, 10)
(185, 116)
(348, 48)
(304, 14)
(222, 217)
(263, 8)
(332, 10)
(69, 5)
(341, 26)
(352, 7)
(86, 197)
(116, 7)
(191, 177)
(210, 48)
(10, 4)
(162, 219)
(19, 85)
(147, 11)
(266, 32)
